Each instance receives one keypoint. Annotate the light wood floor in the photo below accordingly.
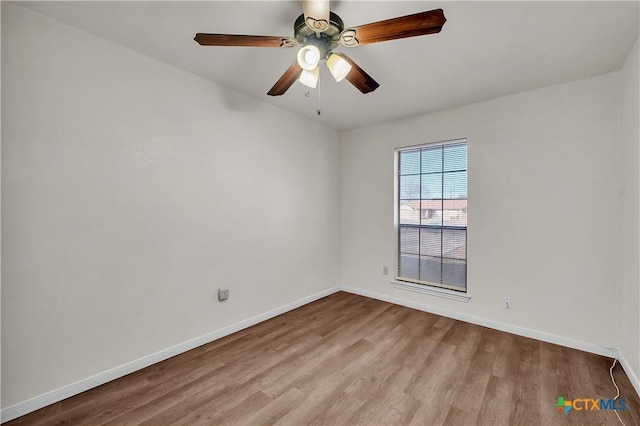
(347, 359)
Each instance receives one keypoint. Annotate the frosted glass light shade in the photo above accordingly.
(310, 77)
(338, 67)
(308, 57)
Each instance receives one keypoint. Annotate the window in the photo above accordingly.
(432, 215)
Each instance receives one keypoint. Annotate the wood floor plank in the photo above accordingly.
(496, 401)
(385, 408)
(469, 396)
(275, 410)
(323, 389)
(555, 383)
(433, 385)
(229, 415)
(526, 410)
(347, 359)
(339, 411)
(457, 416)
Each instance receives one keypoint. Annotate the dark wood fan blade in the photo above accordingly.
(358, 77)
(405, 26)
(288, 78)
(243, 40)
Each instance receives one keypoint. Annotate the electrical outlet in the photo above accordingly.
(385, 270)
(507, 302)
(223, 294)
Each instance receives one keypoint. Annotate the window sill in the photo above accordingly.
(432, 291)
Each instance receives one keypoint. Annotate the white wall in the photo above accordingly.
(131, 191)
(630, 296)
(544, 207)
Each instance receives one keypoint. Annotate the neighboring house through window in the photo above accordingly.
(432, 214)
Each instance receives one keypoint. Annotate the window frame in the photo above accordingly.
(439, 289)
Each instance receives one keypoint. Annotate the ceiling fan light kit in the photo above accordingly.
(338, 67)
(310, 77)
(320, 32)
(308, 57)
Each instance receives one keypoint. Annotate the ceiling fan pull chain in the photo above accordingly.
(318, 111)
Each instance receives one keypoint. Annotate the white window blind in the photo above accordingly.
(432, 215)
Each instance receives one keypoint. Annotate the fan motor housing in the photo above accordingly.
(326, 41)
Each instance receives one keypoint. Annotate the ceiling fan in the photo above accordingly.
(320, 32)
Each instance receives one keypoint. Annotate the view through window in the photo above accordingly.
(432, 215)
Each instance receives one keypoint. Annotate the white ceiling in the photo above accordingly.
(485, 50)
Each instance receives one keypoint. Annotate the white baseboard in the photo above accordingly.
(630, 374)
(509, 328)
(48, 398)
